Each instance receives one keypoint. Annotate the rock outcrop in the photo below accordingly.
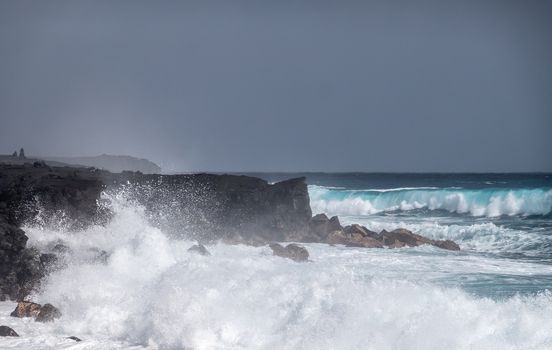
(41, 313)
(329, 231)
(48, 313)
(27, 191)
(207, 207)
(26, 309)
(354, 239)
(322, 227)
(6, 331)
(20, 267)
(291, 251)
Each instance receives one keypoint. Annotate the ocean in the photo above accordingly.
(151, 293)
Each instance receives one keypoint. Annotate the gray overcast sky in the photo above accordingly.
(281, 85)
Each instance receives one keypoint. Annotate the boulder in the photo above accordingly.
(401, 237)
(41, 313)
(199, 249)
(48, 313)
(291, 251)
(360, 236)
(6, 331)
(361, 230)
(277, 249)
(447, 244)
(356, 239)
(321, 226)
(404, 238)
(26, 309)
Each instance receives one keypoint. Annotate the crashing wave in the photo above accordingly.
(482, 202)
(150, 291)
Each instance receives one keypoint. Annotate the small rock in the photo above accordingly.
(357, 229)
(401, 237)
(48, 313)
(291, 251)
(321, 226)
(356, 239)
(74, 338)
(447, 244)
(199, 249)
(277, 249)
(26, 309)
(6, 331)
(334, 224)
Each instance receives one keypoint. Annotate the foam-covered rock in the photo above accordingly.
(26, 309)
(199, 249)
(48, 313)
(291, 251)
(41, 313)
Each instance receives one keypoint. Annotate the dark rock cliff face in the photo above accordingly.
(205, 207)
(210, 207)
(34, 192)
(31, 192)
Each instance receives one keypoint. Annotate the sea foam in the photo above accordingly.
(152, 292)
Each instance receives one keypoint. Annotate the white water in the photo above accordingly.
(483, 202)
(151, 292)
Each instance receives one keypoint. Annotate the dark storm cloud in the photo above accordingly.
(281, 85)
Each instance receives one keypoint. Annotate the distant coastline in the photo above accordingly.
(112, 163)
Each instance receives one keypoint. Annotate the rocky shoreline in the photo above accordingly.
(204, 207)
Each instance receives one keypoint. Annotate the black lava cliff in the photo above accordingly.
(205, 207)
(201, 206)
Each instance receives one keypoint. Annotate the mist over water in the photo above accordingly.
(147, 290)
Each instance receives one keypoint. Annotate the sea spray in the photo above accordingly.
(150, 291)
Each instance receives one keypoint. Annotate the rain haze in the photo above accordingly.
(281, 85)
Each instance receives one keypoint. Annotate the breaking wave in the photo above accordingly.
(482, 202)
(151, 291)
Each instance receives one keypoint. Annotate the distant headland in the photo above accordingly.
(112, 163)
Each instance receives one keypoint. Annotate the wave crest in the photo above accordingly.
(484, 202)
